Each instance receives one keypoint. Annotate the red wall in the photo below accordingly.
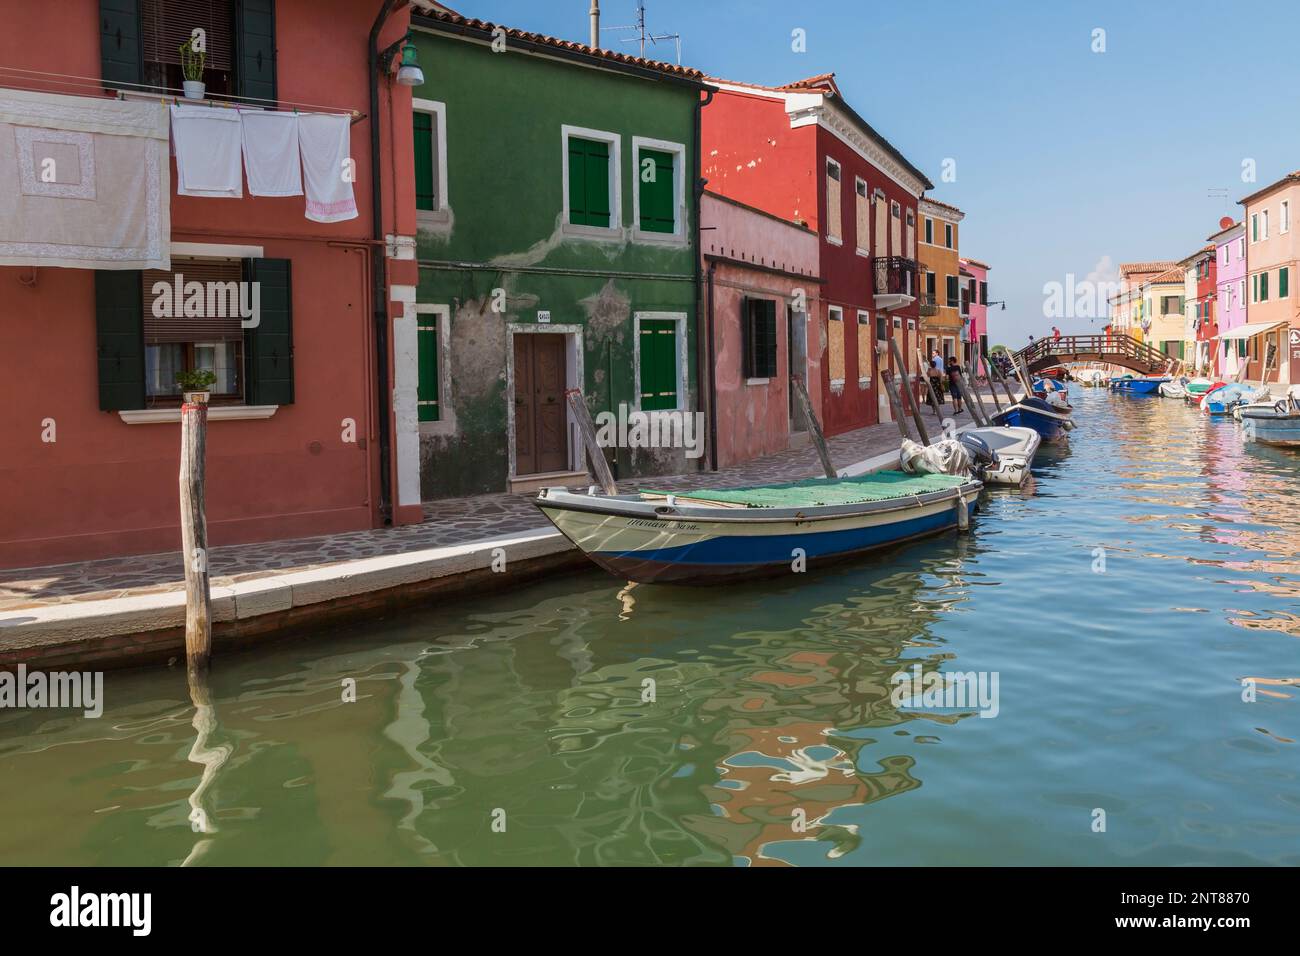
(108, 488)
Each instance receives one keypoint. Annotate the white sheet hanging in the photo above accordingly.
(84, 182)
(209, 145)
(271, 153)
(325, 142)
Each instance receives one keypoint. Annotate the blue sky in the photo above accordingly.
(1067, 161)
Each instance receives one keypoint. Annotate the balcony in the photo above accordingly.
(895, 281)
(929, 306)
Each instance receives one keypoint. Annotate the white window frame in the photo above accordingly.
(949, 235)
(1263, 232)
(678, 235)
(835, 240)
(679, 318)
(1284, 217)
(439, 112)
(864, 196)
(1252, 228)
(615, 228)
(441, 324)
(864, 321)
(928, 230)
(831, 312)
(1241, 247)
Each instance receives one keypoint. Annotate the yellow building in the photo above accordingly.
(943, 302)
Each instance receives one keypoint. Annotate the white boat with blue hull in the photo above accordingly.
(705, 535)
(1278, 425)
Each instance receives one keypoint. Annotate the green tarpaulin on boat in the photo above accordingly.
(878, 486)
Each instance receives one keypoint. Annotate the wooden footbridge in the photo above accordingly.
(1110, 349)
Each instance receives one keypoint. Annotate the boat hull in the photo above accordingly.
(690, 548)
(1138, 386)
(1015, 448)
(1050, 425)
(1272, 426)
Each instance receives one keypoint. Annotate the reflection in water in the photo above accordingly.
(616, 724)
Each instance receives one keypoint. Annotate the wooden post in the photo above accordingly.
(1006, 386)
(814, 426)
(900, 414)
(973, 401)
(907, 383)
(587, 428)
(988, 374)
(194, 533)
(929, 385)
(1024, 377)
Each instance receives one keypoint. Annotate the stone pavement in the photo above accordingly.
(450, 521)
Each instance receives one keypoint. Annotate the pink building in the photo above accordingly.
(762, 308)
(1230, 295)
(975, 333)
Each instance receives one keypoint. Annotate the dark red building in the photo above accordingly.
(802, 153)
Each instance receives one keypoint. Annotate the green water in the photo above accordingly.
(513, 730)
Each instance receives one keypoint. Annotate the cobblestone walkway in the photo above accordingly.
(446, 522)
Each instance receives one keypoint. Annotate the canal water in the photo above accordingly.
(1120, 604)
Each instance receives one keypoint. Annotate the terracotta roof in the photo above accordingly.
(1169, 275)
(1196, 255)
(1128, 268)
(1288, 178)
(822, 81)
(944, 205)
(435, 16)
(976, 262)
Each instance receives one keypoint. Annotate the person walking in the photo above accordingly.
(954, 371)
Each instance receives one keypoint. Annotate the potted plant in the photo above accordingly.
(195, 385)
(192, 67)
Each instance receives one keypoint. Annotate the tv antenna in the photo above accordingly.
(642, 36)
(1217, 192)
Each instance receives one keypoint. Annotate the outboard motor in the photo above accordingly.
(980, 451)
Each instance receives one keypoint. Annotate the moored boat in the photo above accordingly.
(1144, 385)
(1091, 377)
(1222, 400)
(704, 535)
(1277, 425)
(1050, 423)
(1013, 451)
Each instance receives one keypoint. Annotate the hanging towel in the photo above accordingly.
(324, 139)
(208, 151)
(271, 153)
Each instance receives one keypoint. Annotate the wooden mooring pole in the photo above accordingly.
(814, 426)
(977, 413)
(194, 533)
(900, 414)
(911, 395)
(929, 385)
(587, 428)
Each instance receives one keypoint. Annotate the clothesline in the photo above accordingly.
(97, 84)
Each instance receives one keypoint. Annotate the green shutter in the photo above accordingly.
(767, 325)
(428, 392)
(656, 198)
(424, 153)
(1283, 283)
(588, 182)
(255, 49)
(119, 333)
(121, 56)
(658, 366)
(268, 346)
(1263, 287)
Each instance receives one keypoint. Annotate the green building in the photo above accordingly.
(557, 235)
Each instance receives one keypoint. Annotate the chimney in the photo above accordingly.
(595, 25)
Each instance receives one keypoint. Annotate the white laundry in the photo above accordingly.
(324, 140)
(271, 153)
(208, 151)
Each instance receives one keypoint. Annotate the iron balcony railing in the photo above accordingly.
(894, 275)
(929, 305)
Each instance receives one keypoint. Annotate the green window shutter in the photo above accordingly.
(268, 346)
(767, 324)
(428, 391)
(658, 364)
(425, 186)
(255, 49)
(1263, 287)
(1283, 283)
(121, 54)
(588, 182)
(657, 197)
(119, 334)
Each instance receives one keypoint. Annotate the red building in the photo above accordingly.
(1206, 310)
(302, 437)
(803, 154)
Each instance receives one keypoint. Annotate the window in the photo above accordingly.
(166, 24)
(1227, 253)
(428, 393)
(864, 349)
(1241, 292)
(1241, 249)
(177, 343)
(895, 209)
(428, 119)
(835, 343)
(929, 231)
(882, 328)
(929, 285)
(1170, 304)
(1263, 224)
(834, 233)
(1284, 216)
(947, 235)
(657, 360)
(952, 291)
(591, 182)
(659, 198)
(1283, 282)
(1254, 227)
(984, 293)
(862, 219)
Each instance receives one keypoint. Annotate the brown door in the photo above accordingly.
(541, 433)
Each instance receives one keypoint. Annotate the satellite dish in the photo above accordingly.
(1226, 222)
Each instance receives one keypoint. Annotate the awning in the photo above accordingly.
(1250, 330)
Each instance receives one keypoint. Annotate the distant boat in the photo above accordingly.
(1195, 389)
(1050, 423)
(705, 535)
(1090, 377)
(1222, 400)
(1278, 425)
(1137, 386)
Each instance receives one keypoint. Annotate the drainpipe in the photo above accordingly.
(595, 24)
(706, 353)
(379, 274)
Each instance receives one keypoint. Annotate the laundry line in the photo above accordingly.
(95, 84)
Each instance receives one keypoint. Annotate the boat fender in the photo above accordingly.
(672, 501)
(963, 514)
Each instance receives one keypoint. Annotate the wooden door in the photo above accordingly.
(541, 429)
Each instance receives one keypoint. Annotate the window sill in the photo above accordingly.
(864, 383)
(865, 253)
(659, 238)
(591, 232)
(151, 416)
(758, 381)
(432, 217)
(834, 240)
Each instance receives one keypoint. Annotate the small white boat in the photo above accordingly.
(1277, 424)
(1090, 377)
(1174, 389)
(1013, 451)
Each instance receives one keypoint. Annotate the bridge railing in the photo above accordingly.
(1110, 345)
